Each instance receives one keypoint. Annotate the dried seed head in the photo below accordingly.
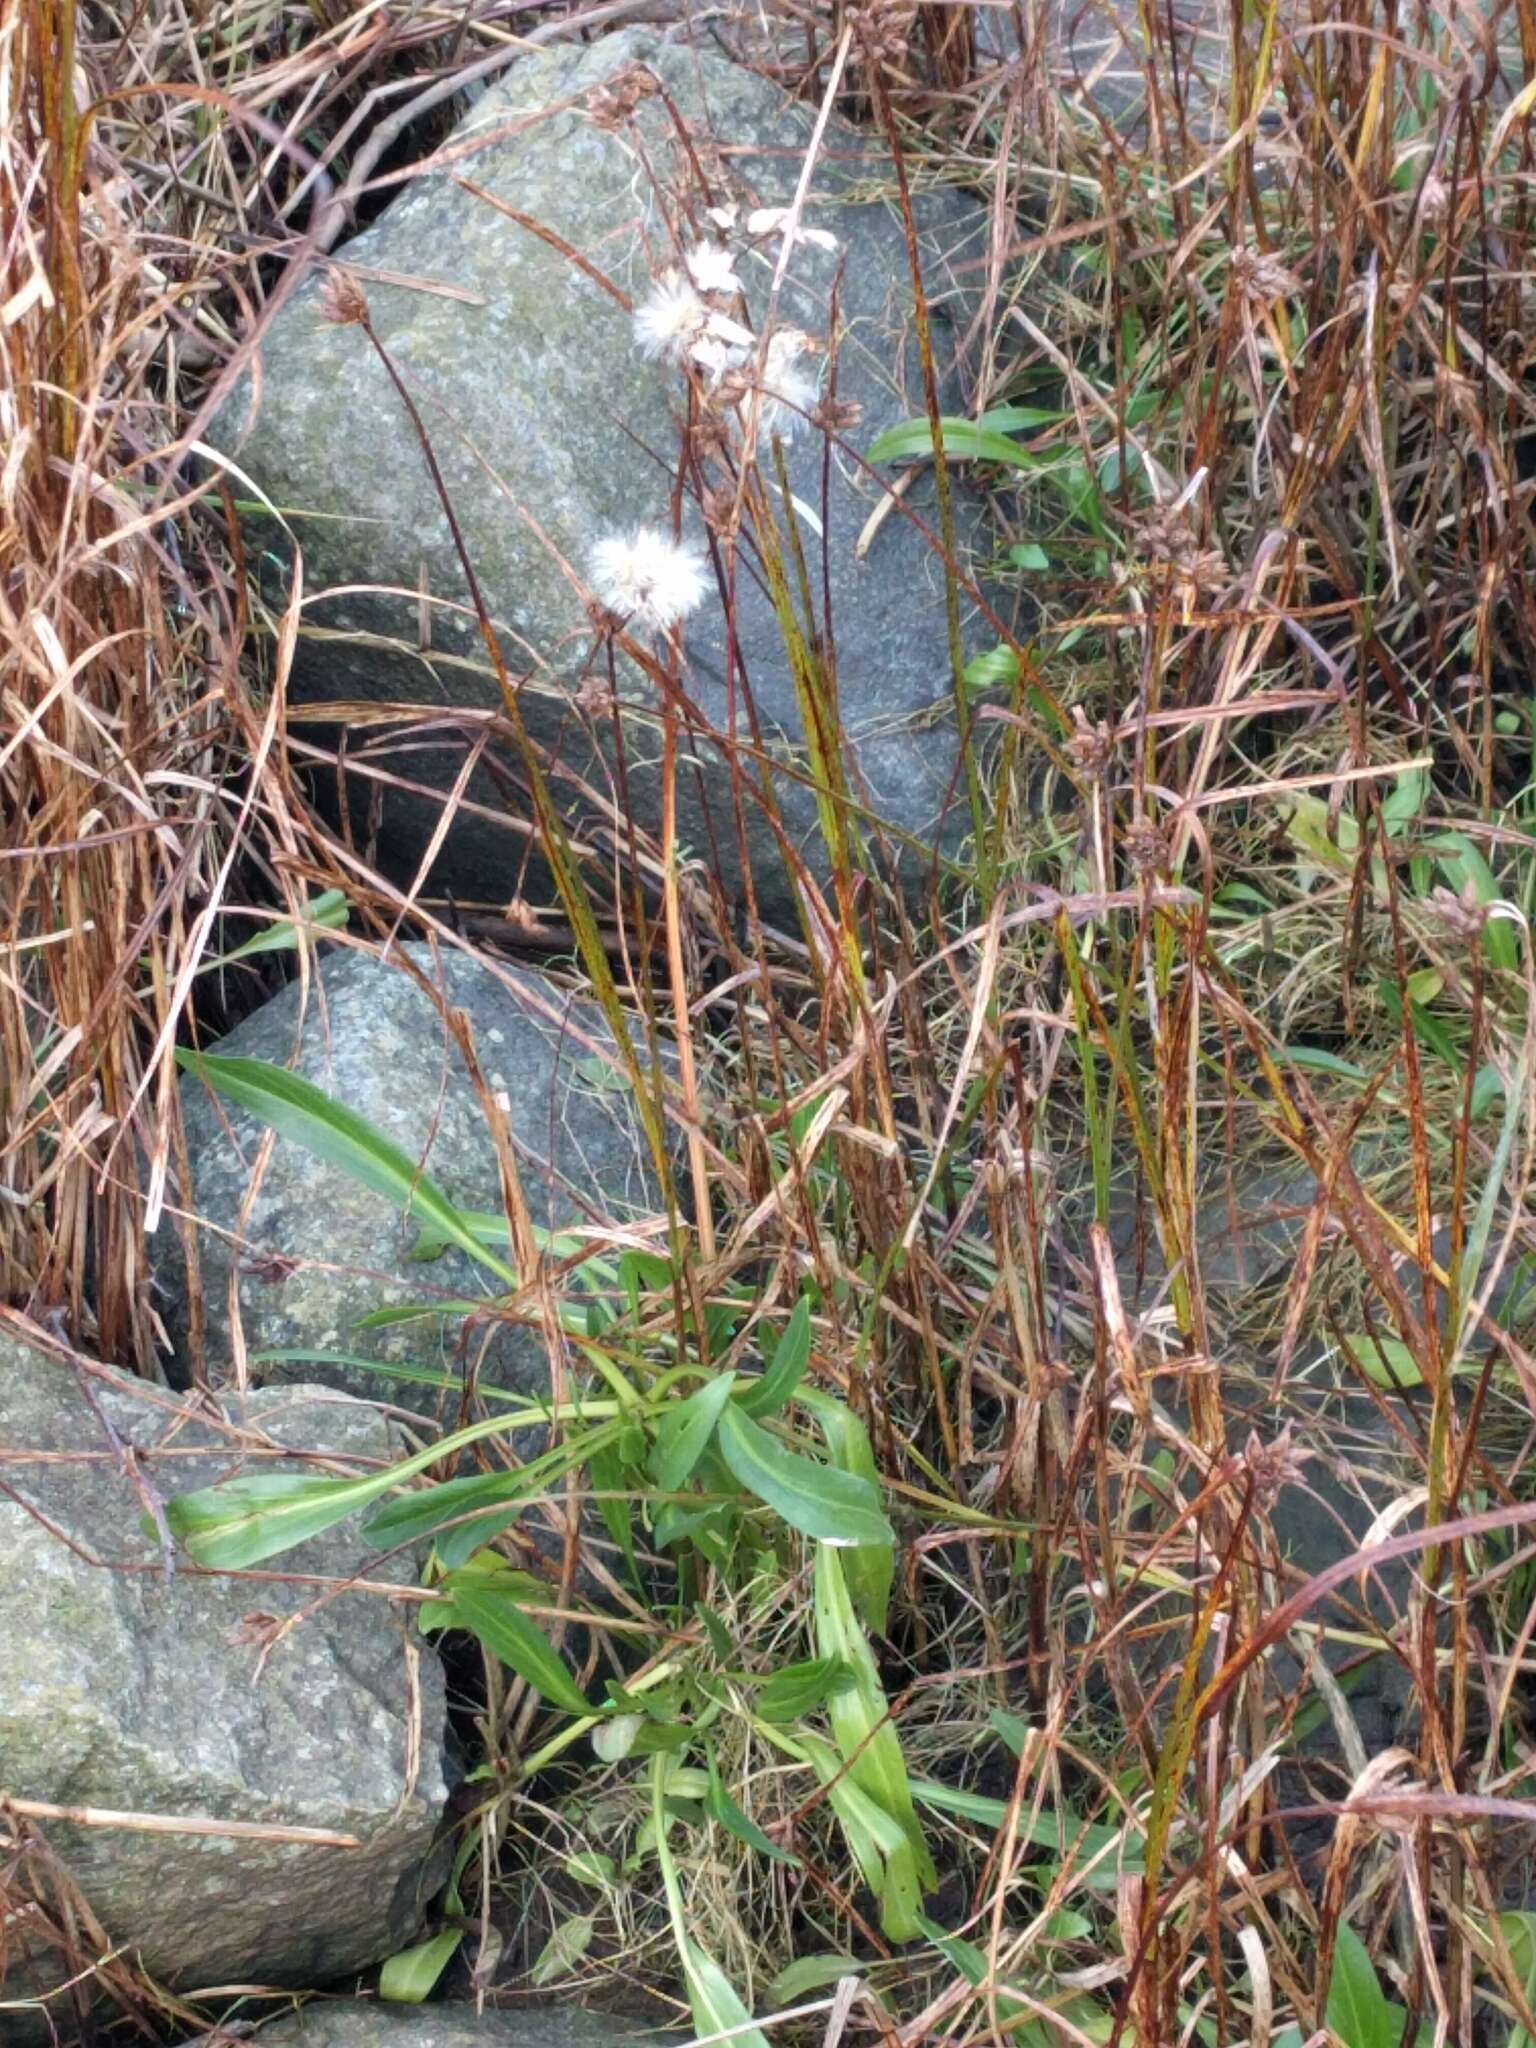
(1146, 847)
(649, 576)
(521, 915)
(1463, 916)
(1272, 1466)
(610, 105)
(270, 1266)
(593, 695)
(722, 513)
(882, 29)
(257, 1630)
(1435, 197)
(1261, 278)
(671, 319)
(838, 415)
(792, 391)
(341, 300)
(1172, 552)
(712, 268)
(1091, 746)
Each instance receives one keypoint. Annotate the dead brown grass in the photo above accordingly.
(1285, 313)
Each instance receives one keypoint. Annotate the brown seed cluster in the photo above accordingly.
(1262, 278)
(1172, 552)
(613, 103)
(882, 29)
(1146, 847)
(1092, 747)
(1463, 916)
(1272, 1466)
(342, 303)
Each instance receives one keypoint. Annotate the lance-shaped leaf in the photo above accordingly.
(500, 1624)
(240, 1522)
(865, 1734)
(299, 1111)
(820, 1501)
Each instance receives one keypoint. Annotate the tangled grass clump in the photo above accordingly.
(980, 1461)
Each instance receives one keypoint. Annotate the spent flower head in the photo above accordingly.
(646, 575)
(791, 390)
(670, 318)
(712, 268)
(342, 303)
(777, 220)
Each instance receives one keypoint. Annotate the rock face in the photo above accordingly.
(552, 430)
(123, 1688)
(447, 2026)
(321, 1250)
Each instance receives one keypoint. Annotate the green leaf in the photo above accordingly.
(1010, 1729)
(1519, 1931)
(964, 441)
(712, 1997)
(606, 1467)
(799, 1689)
(968, 1959)
(1020, 419)
(1404, 799)
(326, 912)
(1385, 1361)
(563, 1950)
(508, 1633)
(685, 1430)
(866, 1736)
(1067, 1925)
(242, 1521)
(1321, 1061)
(806, 1974)
(785, 1370)
(1029, 555)
(714, 2001)
(1065, 1833)
(721, 1807)
(644, 1272)
(416, 1516)
(869, 1568)
(407, 1978)
(997, 669)
(307, 1116)
(590, 1866)
(399, 1312)
(719, 1635)
(1464, 864)
(1358, 2009)
(493, 1229)
(818, 1500)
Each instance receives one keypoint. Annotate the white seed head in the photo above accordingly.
(712, 268)
(646, 575)
(715, 357)
(670, 318)
(773, 220)
(791, 390)
(723, 346)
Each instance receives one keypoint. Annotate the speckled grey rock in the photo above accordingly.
(353, 2025)
(321, 1250)
(552, 431)
(124, 1689)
